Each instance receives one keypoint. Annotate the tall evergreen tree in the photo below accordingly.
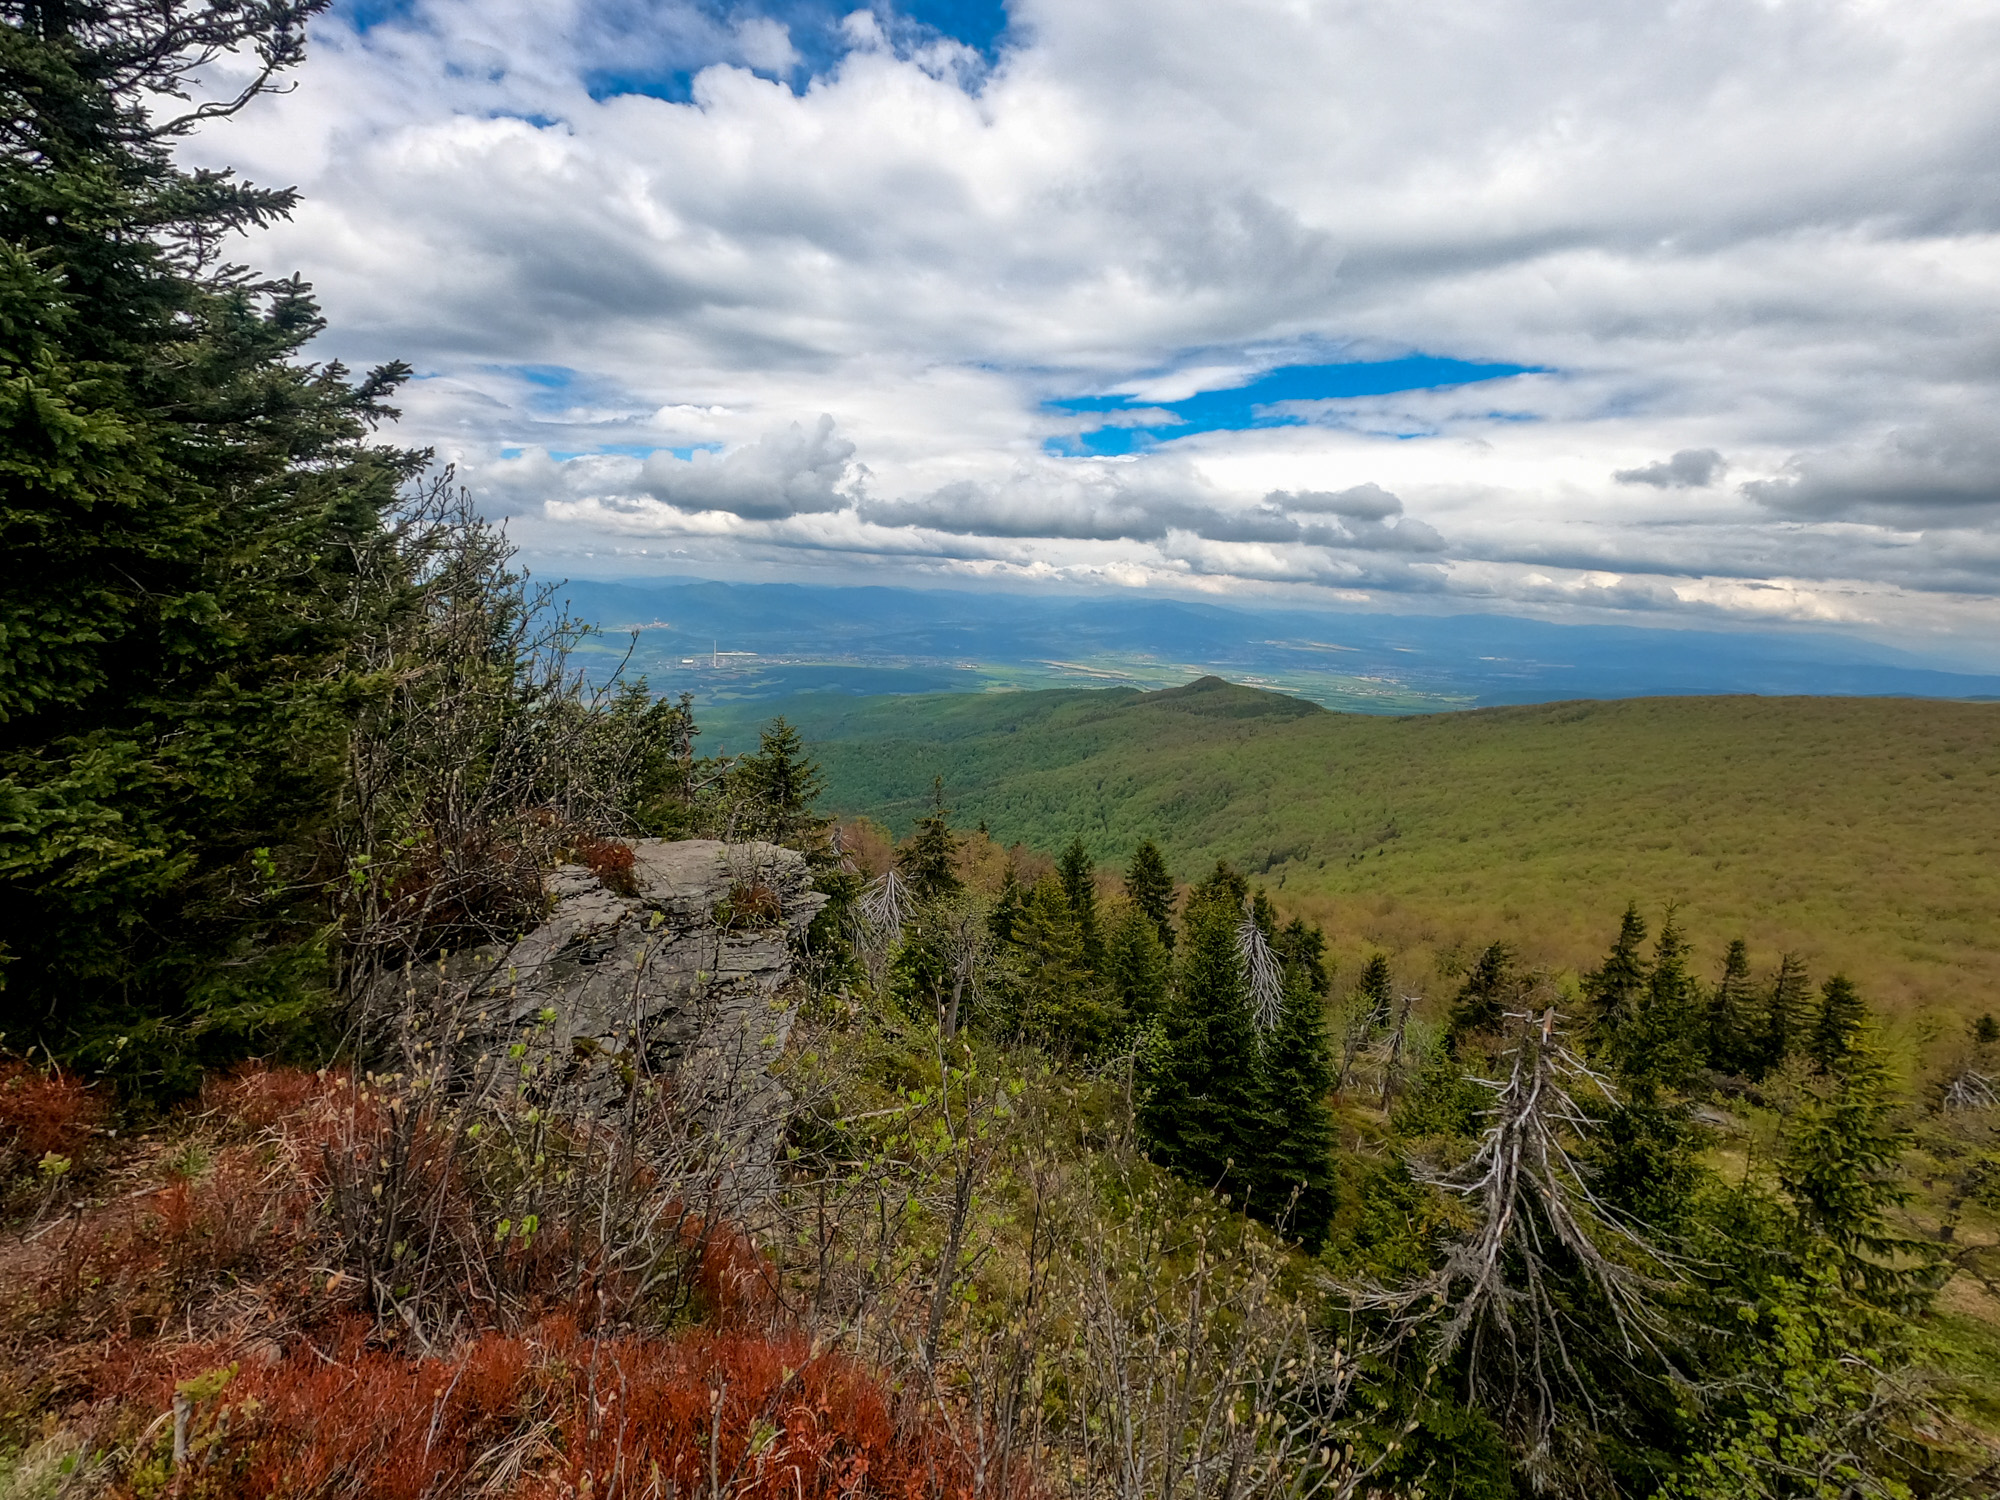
(1079, 883)
(1061, 1003)
(1302, 950)
(1374, 993)
(1837, 1029)
(1137, 967)
(1787, 1013)
(1842, 1168)
(1265, 915)
(1615, 990)
(1731, 1045)
(1150, 887)
(184, 505)
(1482, 1001)
(1224, 884)
(1659, 1047)
(1007, 906)
(1294, 1169)
(1203, 1102)
(929, 859)
(784, 784)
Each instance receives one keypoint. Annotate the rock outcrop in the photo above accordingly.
(677, 968)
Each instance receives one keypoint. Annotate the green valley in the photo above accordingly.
(1862, 832)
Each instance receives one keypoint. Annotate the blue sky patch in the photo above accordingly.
(1256, 403)
(663, 66)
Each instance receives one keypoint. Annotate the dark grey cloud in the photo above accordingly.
(1108, 507)
(1689, 469)
(1937, 474)
(1366, 502)
(788, 473)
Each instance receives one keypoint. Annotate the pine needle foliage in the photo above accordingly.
(1200, 1111)
(1729, 1014)
(184, 507)
(1297, 1186)
(1149, 886)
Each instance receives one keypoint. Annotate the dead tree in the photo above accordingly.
(1262, 974)
(1547, 1277)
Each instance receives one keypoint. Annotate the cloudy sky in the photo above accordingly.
(1678, 312)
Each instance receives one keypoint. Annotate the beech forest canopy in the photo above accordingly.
(1864, 831)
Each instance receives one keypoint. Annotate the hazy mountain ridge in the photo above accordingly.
(873, 640)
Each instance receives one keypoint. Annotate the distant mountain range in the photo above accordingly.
(728, 642)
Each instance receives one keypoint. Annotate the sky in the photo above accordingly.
(1667, 313)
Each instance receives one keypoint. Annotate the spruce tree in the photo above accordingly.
(1061, 1004)
(1007, 906)
(184, 509)
(1137, 967)
(1297, 1154)
(1658, 1048)
(929, 860)
(1481, 1003)
(1374, 993)
(1265, 915)
(1837, 1029)
(1614, 991)
(1203, 1103)
(1079, 883)
(1842, 1168)
(1150, 888)
(1786, 1014)
(783, 784)
(1224, 884)
(1302, 950)
(1731, 1046)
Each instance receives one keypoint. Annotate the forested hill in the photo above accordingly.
(1863, 832)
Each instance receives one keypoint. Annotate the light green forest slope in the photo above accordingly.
(1863, 832)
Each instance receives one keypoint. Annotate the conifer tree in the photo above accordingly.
(1837, 1029)
(1482, 1001)
(929, 860)
(185, 511)
(1007, 907)
(1224, 884)
(1150, 888)
(784, 783)
(1302, 950)
(1842, 1168)
(1061, 1004)
(1658, 1048)
(1297, 1154)
(1614, 991)
(1202, 1108)
(1730, 1043)
(1786, 1014)
(1136, 967)
(1374, 993)
(1265, 915)
(1079, 883)
(1369, 1008)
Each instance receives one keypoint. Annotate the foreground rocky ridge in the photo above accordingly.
(673, 960)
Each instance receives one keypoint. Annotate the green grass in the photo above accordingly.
(1863, 832)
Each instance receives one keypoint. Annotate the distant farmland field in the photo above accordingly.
(1863, 832)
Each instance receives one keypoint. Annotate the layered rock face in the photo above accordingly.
(678, 969)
